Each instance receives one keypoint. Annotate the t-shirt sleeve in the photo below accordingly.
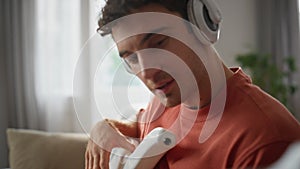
(262, 157)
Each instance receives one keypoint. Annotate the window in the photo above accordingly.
(58, 44)
(118, 94)
(60, 36)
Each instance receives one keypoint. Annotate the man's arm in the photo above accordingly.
(129, 129)
(106, 135)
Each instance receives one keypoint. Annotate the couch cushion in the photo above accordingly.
(30, 149)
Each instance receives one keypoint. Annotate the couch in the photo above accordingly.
(30, 149)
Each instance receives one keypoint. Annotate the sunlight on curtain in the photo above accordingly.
(58, 44)
(66, 31)
(117, 94)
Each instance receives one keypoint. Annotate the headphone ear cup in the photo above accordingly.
(212, 26)
(199, 15)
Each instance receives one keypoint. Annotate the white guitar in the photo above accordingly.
(147, 153)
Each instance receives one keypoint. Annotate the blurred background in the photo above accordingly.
(41, 42)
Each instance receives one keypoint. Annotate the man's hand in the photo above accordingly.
(105, 136)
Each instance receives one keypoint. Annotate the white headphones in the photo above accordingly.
(206, 15)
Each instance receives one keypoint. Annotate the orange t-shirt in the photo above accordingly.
(253, 129)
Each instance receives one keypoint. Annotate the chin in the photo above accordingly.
(171, 105)
(168, 102)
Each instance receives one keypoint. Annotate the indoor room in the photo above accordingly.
(66, 66)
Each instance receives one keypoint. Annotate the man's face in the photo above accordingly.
(164, 64)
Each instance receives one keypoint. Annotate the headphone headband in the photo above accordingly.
(206, 15)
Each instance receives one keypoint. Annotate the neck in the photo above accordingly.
(210, 87)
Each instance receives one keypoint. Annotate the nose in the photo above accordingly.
(148, 64)
(149, 74)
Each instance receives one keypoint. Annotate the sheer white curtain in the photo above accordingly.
(18, 108)
(47, 39)
(114, 93)
(58, 40)
(40, 43)
(66, 34)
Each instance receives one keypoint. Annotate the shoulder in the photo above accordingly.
(252, 105)
(155, 115)
(257, 121)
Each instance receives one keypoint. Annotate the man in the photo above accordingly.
(221, 120)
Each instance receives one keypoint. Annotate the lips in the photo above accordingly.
(165, 86)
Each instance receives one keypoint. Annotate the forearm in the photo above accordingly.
(105, 136)
(129, 129)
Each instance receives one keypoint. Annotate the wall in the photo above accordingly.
(238, 29)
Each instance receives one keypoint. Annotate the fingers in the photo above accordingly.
(104, 159)
(96, 159)
(110, 137)
(87, 157)
(91, 158)
(90, 166)
(101, 143)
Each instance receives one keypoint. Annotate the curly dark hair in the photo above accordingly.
(115, 9)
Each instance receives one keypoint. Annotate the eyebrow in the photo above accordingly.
(146, 37)
(153, 32)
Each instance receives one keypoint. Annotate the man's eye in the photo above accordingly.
(132, 59)
(161, 42)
